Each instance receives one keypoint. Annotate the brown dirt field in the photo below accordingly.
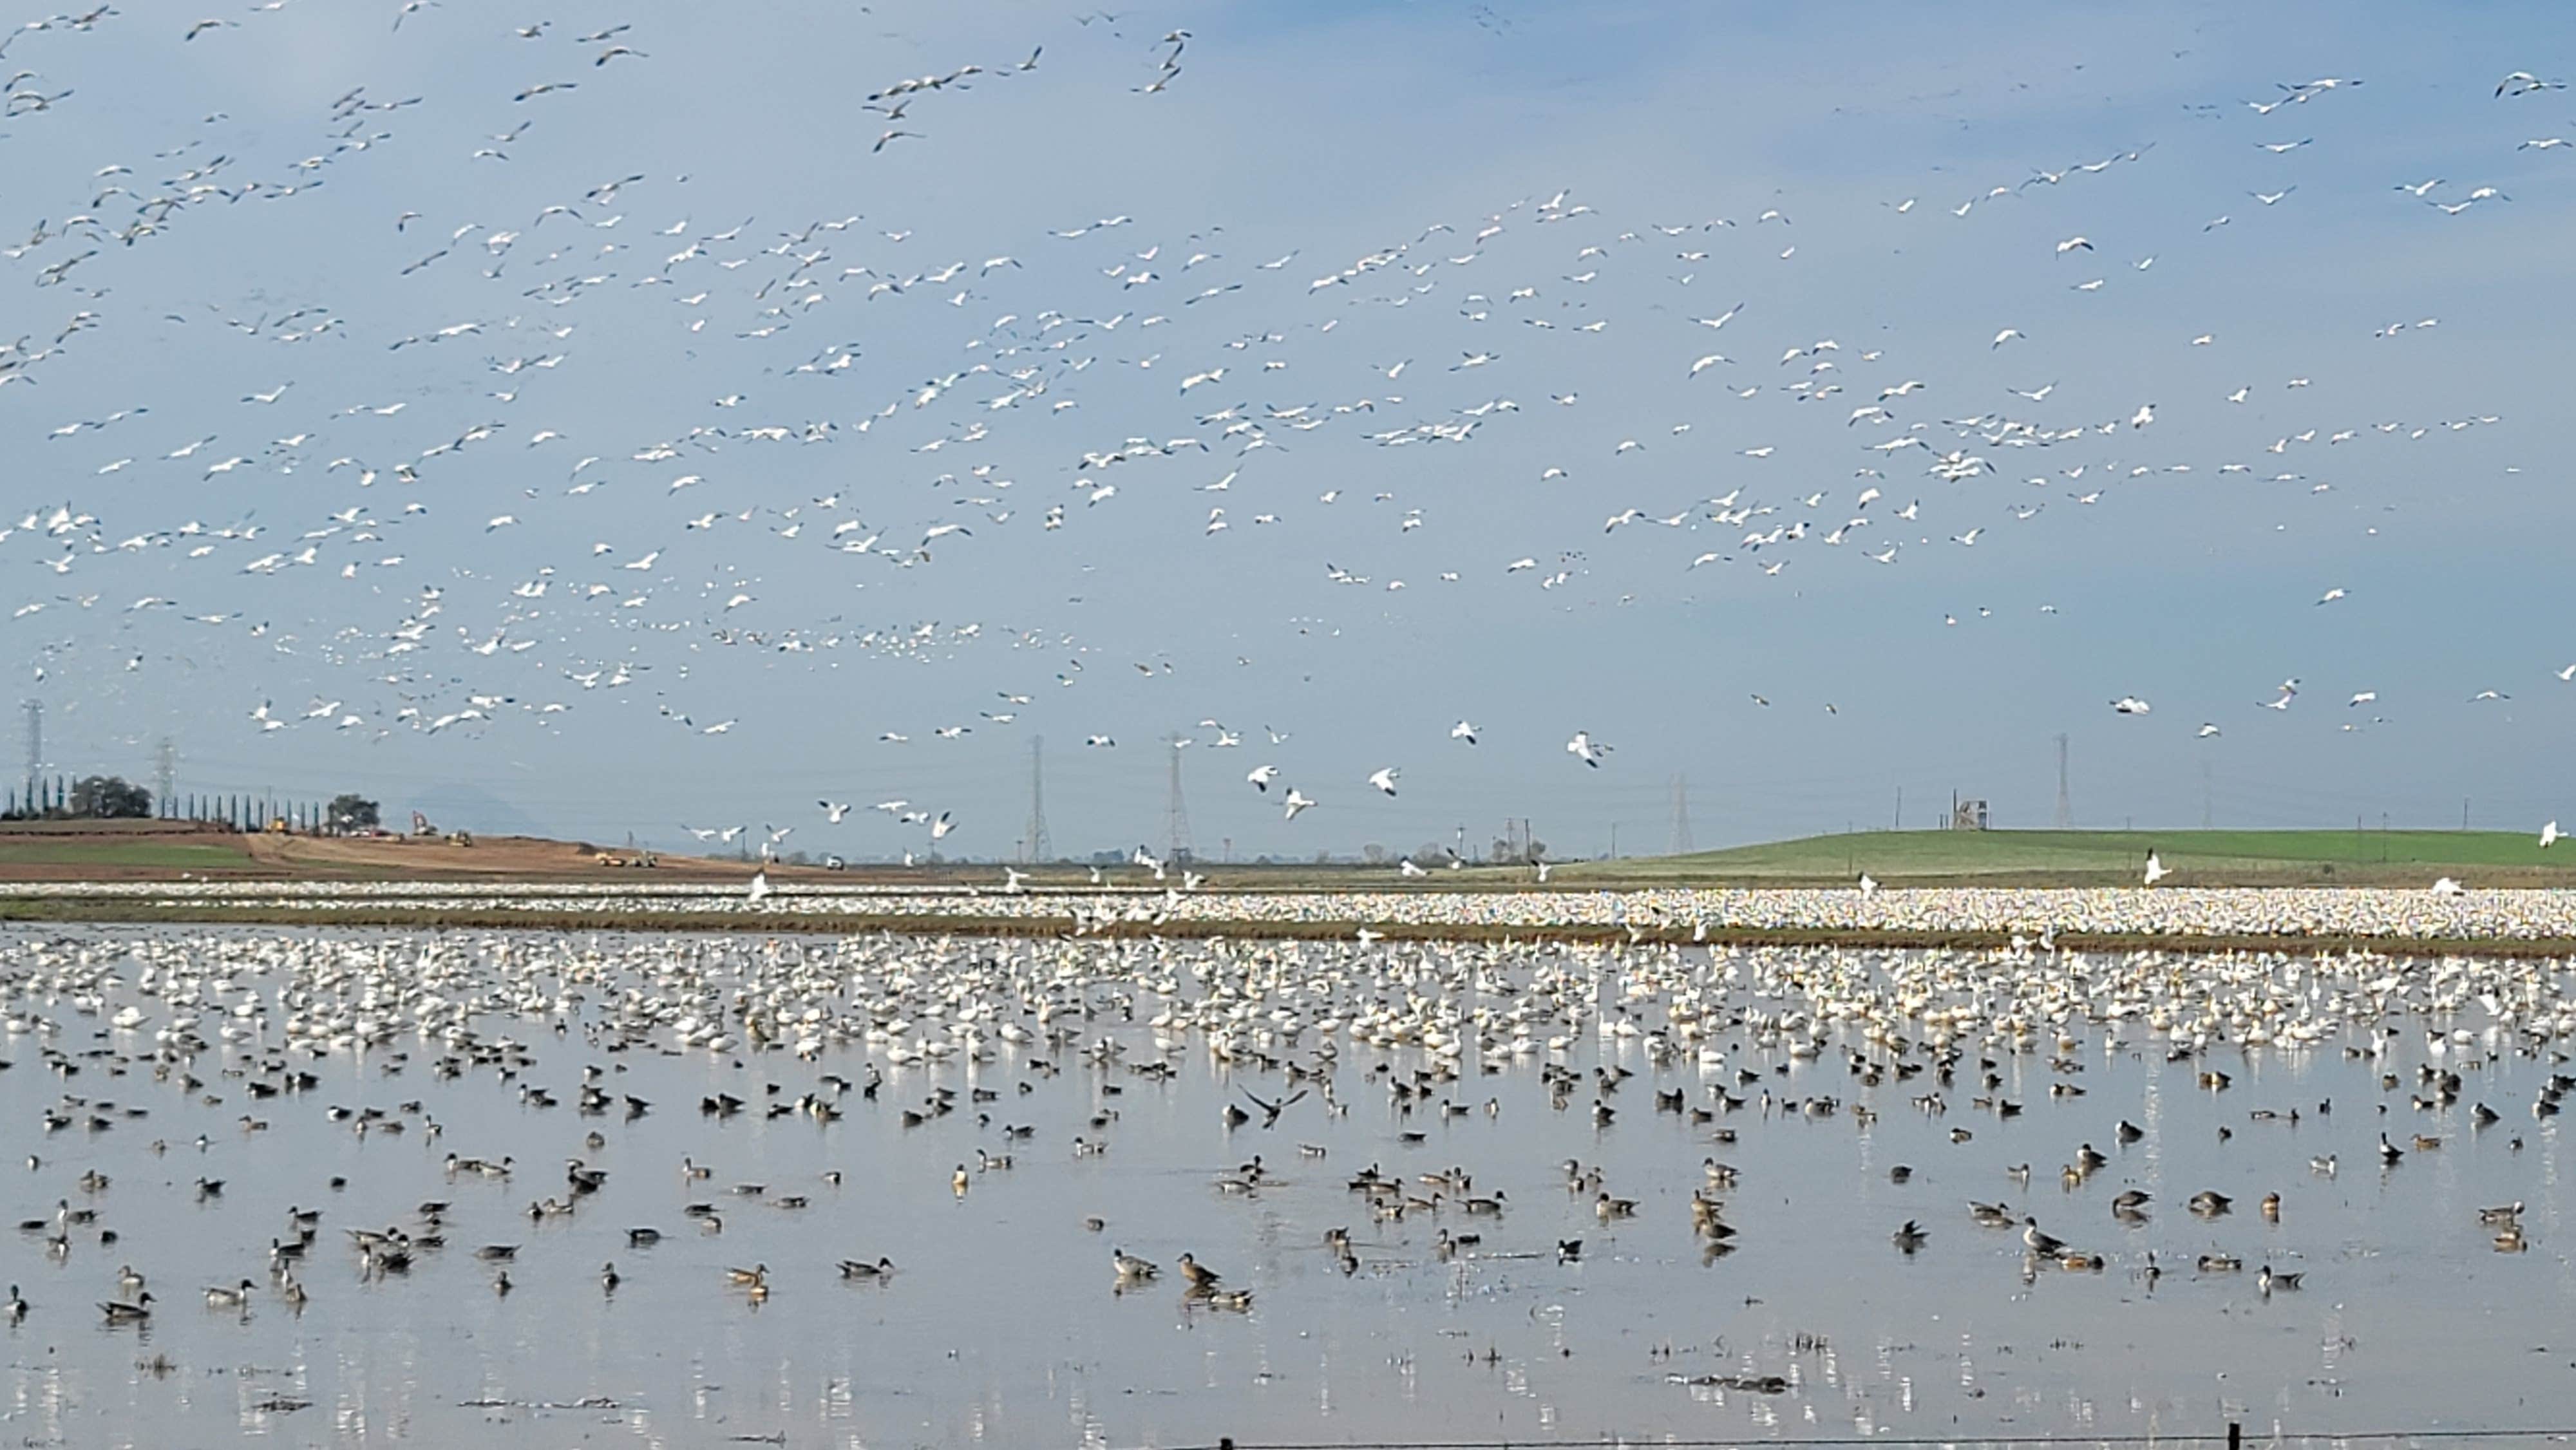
(171, 850)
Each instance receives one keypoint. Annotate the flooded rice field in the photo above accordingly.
(522, 1189)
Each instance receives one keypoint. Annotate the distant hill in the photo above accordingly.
(460, 805)
(2266, 858)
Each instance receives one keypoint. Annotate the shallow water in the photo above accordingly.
(1003, 1323)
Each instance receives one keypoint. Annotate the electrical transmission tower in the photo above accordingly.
(2065, 812)
(165, 769)
(35, 747)
(1176, 810)
(1680, 844)
(1040, 848)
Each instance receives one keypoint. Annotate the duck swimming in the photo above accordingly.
(2043, 1244)
(134, 1311)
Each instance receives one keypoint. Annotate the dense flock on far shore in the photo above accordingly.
(2038, 913)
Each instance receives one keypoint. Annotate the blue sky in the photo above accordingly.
(1324, 135)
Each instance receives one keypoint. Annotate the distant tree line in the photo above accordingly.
(92, 798)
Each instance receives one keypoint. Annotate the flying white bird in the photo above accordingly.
(1384, 779)
(1261, 777)
(1583, 748)
(2131, 705)
(1463, 731)
(1297, 801)
(2156, 869)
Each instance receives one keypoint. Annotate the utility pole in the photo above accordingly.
(1039, 848)
(35, 745)
(2464, 813)
(165, 768)
(1900, 808)
(1176, 810)
(1614, 840)
(2065, 808)
(1680, 844)
(2204, 795)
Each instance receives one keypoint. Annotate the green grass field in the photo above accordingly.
(148, 855)
(2106, 857)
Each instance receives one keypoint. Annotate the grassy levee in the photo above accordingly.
(2108, 858)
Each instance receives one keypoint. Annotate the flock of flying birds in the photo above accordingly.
(494, 541)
